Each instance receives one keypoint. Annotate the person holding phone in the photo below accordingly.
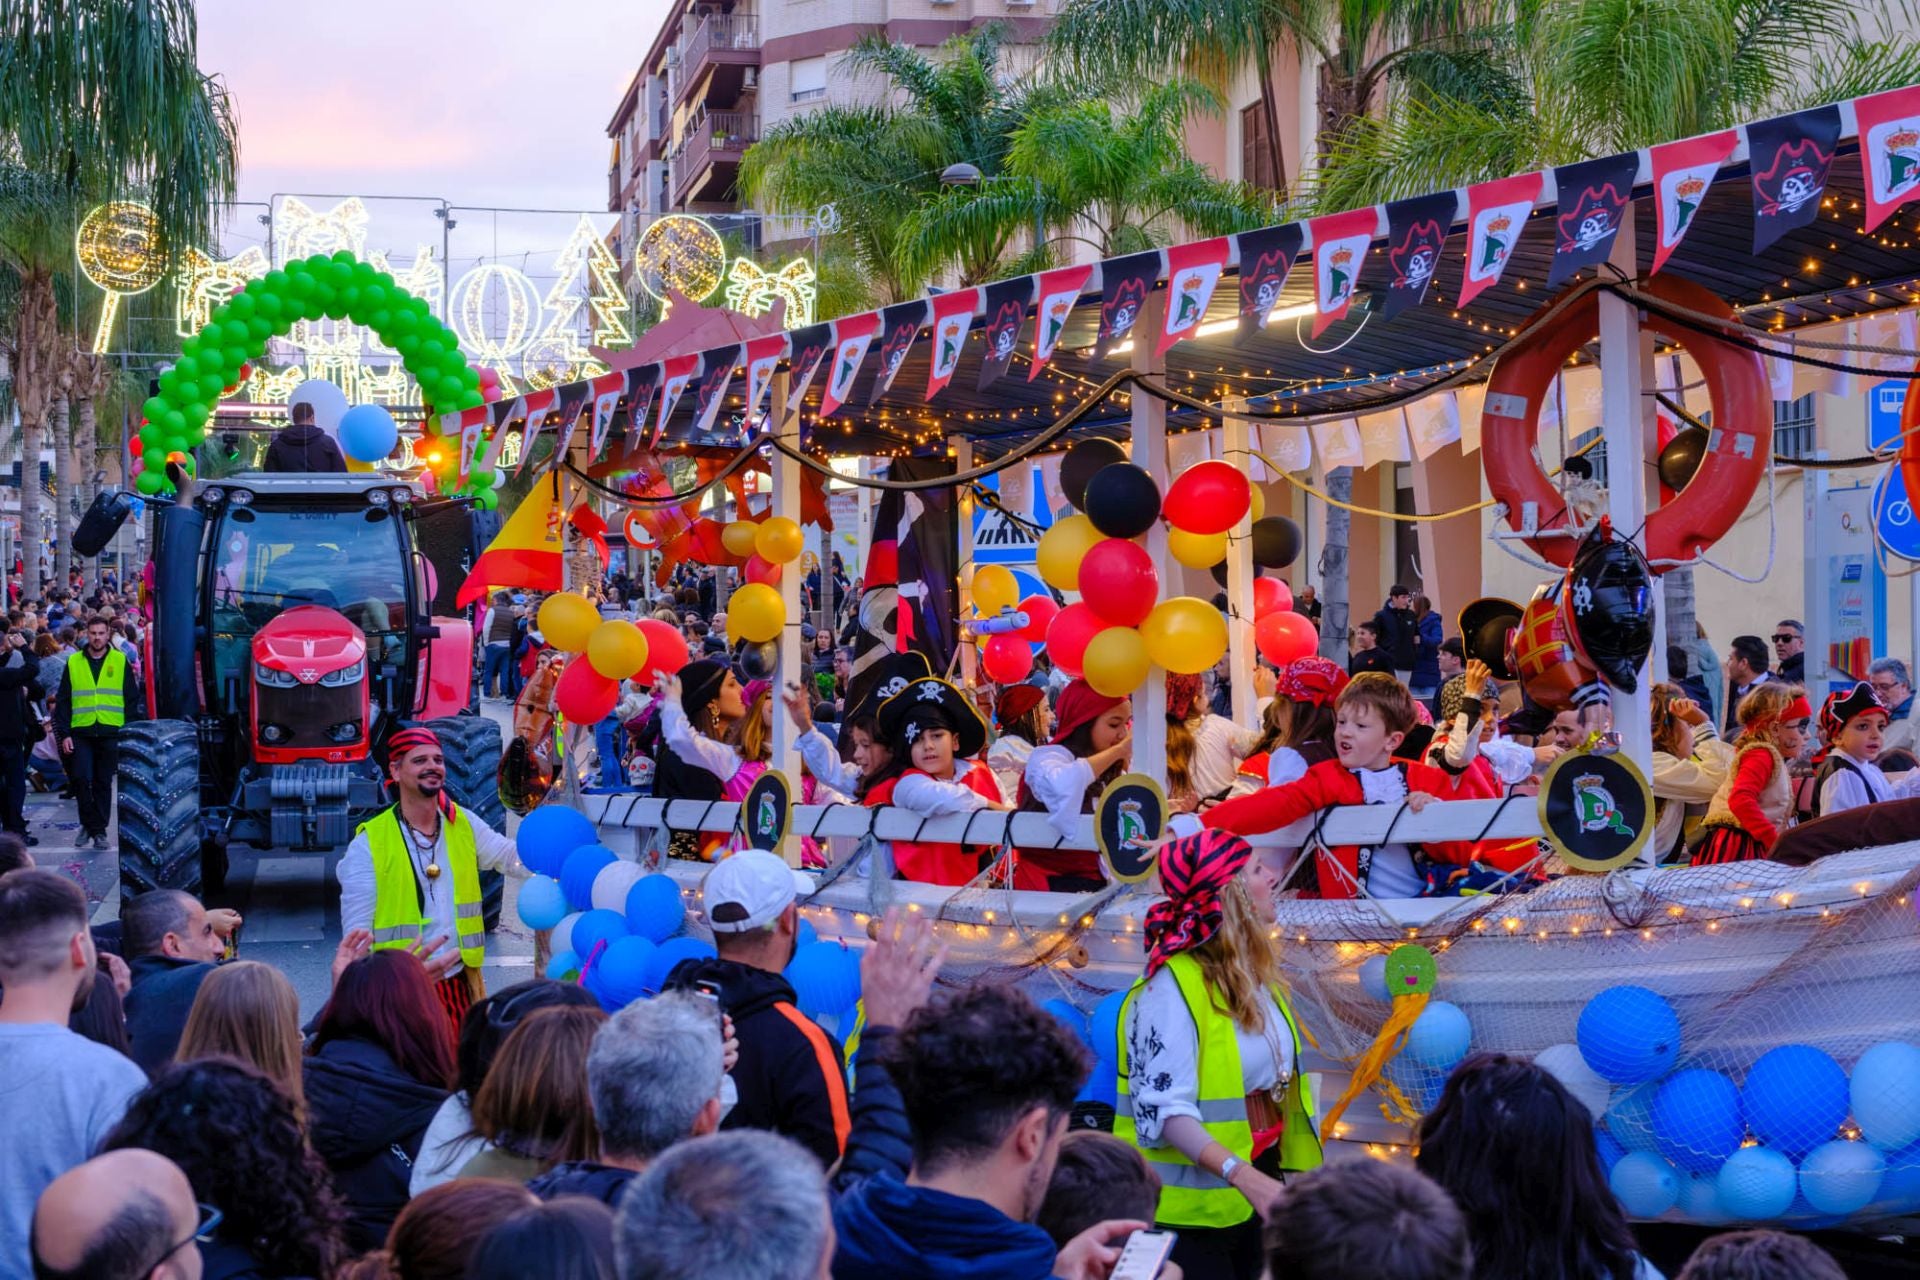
(1210, 1084)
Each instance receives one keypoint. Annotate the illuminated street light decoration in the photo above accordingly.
(302, 231)
(557, 356)
(119, 249)
(422, 279)
(202, 283)
(752, 291)
(476, 305)
(680, 253)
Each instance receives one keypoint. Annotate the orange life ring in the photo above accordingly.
(1910, 443)
(1737, 453)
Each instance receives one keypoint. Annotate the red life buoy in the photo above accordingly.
(1910, 443)
(1737, 453)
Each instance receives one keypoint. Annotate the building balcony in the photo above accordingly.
(706, 164)
(721, 60)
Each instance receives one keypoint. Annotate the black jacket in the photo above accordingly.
(589, 1178)
(157, 1006)
(366, 1118)
(304, 447)
(791, 1074)
(18, 687)
(1398, 632)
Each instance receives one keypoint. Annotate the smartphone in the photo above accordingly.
(1144, 1256)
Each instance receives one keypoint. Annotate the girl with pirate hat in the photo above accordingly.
(1092, 744)
(1854, 724)
(934, 733)
(1756, 800)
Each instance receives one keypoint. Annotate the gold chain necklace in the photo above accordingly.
(419, 849)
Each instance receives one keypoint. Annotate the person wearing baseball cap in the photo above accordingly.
(791, 1075)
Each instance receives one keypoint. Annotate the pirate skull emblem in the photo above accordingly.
(892, 687)
(930, 691)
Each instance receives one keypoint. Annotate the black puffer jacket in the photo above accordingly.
(366, 1118)
(304, 447)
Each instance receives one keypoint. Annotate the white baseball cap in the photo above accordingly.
(749, 890)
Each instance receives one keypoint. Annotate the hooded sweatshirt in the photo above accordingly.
(304, 447)
(891, 1231)
(366, 1118)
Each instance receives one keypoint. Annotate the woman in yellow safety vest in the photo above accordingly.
(1211, 1089)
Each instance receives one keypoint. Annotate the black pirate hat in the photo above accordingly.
(1842, 707)
(1609, 606)
(933, 704)
(1484, 625)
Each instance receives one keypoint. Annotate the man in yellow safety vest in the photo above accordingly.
(98, 694)
(411, 876)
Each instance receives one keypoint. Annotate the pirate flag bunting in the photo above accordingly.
(1593, 197)
(1006, 310)
(763, 359)
(539, 405)
(713, 387)
(1789, 157)
(1266, 255)
(675, 374)
(1682, 172)
(1192, 272)
(1416, 230)
(1496, 214)
(851, 337)
(952, 317)
(1889, 151)
(573, 401)
(1125, 284)
(1059, 293)
(809, 347)
(467, 425)
(606, 390)
(899, 326)
(1340, 243)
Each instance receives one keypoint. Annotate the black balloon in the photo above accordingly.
(1219, 573)
(1682, 457)
(1083, 462)
(1121, 500)
(757, 661)
(1609, 602)
(1484, 625)
(1276, 542)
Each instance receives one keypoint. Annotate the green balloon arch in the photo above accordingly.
(337, 287)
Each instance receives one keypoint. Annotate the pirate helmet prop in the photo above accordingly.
(1841, 708)
(1607, 606)
(1484, 627)
(1551, 668)
(933, 704)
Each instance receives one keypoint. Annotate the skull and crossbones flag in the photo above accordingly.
(1266, 256)
(1594, 195)
(1416, 231)
(1789, 157)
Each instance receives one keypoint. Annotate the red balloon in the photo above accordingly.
(666, 650)
(1072, 629)
(1284, 637)
(1209, 497)
(1270, 595)
(759, 570)
(584, 696)
(1118, 581)
(135, 446)
(1006, 659)
(1040, 611)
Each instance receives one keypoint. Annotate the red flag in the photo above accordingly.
(1192, 272)
(1682, 172)
(1496, 211)
(594, 529)
(852, 336)
(1340, 243)
(1889, 150)
(952, 316)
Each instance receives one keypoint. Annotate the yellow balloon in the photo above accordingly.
(1116, 662)
(778, 540)
(1197, 550)
(994, 589)
(1185, 635)
(1259, 511)
(738, 537)
(567, 619)
(1062, 548)
(755, 613)
(617, 649)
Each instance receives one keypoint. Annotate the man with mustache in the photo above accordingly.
(411, 876)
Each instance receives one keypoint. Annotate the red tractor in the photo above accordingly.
(298, 621)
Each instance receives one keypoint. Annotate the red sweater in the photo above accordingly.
(933, 863)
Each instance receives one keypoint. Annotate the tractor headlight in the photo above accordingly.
(345, 675)
(345, 731)
(274, 733)
(213, 495)
(243, 497)
(402, 496)
(378, 497)
(273, 679)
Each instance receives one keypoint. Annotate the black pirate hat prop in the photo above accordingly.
(1839, 708)
(1608, 605)
(933, 703)
(1484, 625)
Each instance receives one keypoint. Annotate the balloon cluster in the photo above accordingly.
(337, 287)
(606, 652)
(1775, 1145)
(1006, 657)
(1120, 628)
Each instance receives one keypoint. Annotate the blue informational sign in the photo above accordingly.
(1884, 402)
(1894, 520)
(998, 540)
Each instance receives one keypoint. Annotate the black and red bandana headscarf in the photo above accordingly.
(1194, 870)
(405, 740)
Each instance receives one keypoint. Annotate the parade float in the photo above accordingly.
(1741, 1033)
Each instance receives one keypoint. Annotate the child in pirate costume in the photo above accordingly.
(1023, 721)
(1092, 743)
(692, 758)
(1855, 726)
(1755, 803)
(934, 733)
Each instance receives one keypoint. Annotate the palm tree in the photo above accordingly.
(98, 99)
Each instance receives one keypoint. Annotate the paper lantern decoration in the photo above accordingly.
(1071, 631)
(1122, 501)
(756, 613)
(617, 649)
(1006, 659)
(548, 834)
(1209, 497)
(778, 540)
(583, 695)
(1118, 582)
(1285, 637)
(994, 589)
(567, 620)
(1794, 1098)
(1061, 550)
(1185, 635)
(1629, 1034)
(1116, 661)
(1196, 550)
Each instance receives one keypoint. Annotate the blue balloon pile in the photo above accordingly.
(825, 977)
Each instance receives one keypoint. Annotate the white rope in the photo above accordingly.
(1773, 543)
(1499, 510)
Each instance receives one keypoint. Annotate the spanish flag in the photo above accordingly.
(527, 550)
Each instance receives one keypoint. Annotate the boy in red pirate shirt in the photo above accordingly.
(1372, 716)
(934, 732)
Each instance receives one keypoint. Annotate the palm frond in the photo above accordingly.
(1859, 67)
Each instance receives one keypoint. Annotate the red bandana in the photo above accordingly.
(1193, 871)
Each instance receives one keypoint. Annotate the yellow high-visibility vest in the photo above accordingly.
(102, 701)
(397, 918)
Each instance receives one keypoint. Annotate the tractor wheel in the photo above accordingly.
(159, 807)
(472, 747)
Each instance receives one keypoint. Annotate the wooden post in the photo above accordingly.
(962, 447)
(1240, 647)
(1150, 454)
(786, 502)
(1624, 413)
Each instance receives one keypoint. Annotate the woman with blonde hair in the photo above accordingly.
(1210, 1086)
(248, 1011)
(1754, 804)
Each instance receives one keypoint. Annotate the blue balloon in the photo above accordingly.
(1629, 1035)
(1795, 1098)
(825, 978)
(1630, 1119)
(542, 902)
(805, 935)
(594, 928)
(1696, 1120)
(1756, 1184)
(1645, 1185)
(1069, 1017)
(669, 954)
(563, 966)
(1885, 1092)
(623, 970)
(1700, 1201)
(1103, 1086)
(1104, 1027)
(655, 909)
(1440, 1036)
(578, 872)
(548, 834)
(1900, 1188)
(1608, 1148)
(367, 433)
(1842, 1177)
(1373, 978)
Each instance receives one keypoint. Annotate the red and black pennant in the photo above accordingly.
(1124, 286)
(1007, 302)
(1266, 256)
(1789, 157)
(1593, 198)
(1416, 231)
